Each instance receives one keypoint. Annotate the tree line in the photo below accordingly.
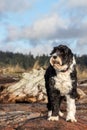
(28, 60)
(23, 60)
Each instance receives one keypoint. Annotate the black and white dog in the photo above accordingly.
(60, 82)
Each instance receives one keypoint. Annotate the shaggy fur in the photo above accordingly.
(60, 82)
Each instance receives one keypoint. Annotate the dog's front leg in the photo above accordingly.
(71, 109)
(55, 105)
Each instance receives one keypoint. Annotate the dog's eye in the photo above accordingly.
(54, 57)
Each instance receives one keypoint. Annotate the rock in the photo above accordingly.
(34, 117)
(16, 116)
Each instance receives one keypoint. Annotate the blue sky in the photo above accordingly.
(39, 25)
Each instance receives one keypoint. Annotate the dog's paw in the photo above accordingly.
(71, 119)
(49, 113)
(61, 114)
(53, 118)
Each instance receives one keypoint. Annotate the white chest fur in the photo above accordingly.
(63, 82)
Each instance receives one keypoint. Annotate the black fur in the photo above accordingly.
(73, 75)
(54, 97)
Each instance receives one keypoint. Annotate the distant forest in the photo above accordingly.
(27, 61)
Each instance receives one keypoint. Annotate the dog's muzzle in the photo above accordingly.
(56, 62)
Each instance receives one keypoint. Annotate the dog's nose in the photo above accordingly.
(54, 57)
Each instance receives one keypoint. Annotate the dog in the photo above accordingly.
(61, 82)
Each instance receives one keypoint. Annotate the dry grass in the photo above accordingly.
(12, 69)
(36, 65)
(81, 72)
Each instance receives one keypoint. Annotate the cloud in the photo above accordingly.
(74, 10)
(45, 28)
(13, 33)
(49, 28)
(71, 4)
(18, 46)
(67, 24)
(42, 48)
(42, 29)
(76, 3)
(15, 5)
(81, 46)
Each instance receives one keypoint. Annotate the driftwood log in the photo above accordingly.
(31, 88)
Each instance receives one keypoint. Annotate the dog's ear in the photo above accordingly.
(54, 50)
(70, 54)
(68, 51)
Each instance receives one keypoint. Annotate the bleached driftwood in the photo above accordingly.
(31, 88)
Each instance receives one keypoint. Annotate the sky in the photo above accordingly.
(37, 26)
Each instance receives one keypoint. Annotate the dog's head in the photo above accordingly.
(61, 57)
